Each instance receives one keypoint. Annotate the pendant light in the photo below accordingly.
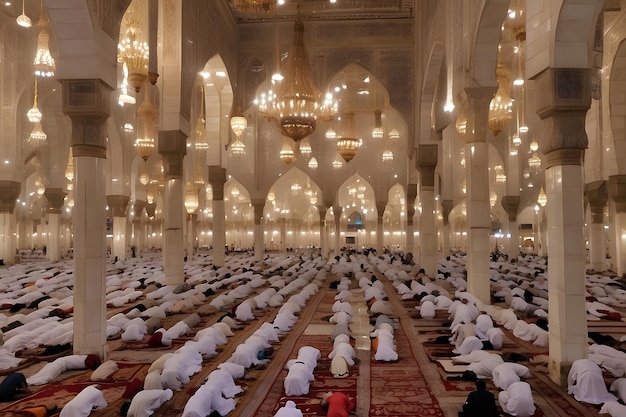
(23, 20)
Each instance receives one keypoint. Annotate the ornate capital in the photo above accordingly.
(55, 197)
(172, 146)
(617, 192)
(87, 103)
(118, 204)
(475, 104)
(563, 98)
(151, 210)
(510, 203)
(446, 206)
(597, 195)
(138, 207)
(9, 192)
(217, 178)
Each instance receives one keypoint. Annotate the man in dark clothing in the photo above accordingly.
(480, 403)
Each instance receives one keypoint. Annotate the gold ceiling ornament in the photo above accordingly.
(198, 173)
(255, 6)
(37, 138)
(69, 169)
(237, 148)
(461, 122)
(34, 114)
(542, 198)
(298, 106)
(191, 199)
(377, 131)
(287, 154)
(348, 144)
(146, 113)
(43, 64)
(134, 53)
(500, 108)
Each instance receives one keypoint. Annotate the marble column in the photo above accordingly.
(411, 195)
(446, 207)
(9, 192)
(258, 204)
(597, 195)
(117, 209)
(217, 178)
(192, 221)
(86, 102)
(510, 203)
(475, 103)
(380, 230)
(322, 209)
(563, 98)
(617, 192)
(426, 163)
(55, 197)
(337, 210)
(172, 146)
(282, 224)
(139, 228)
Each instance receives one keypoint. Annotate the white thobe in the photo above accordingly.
(508, 373)
(146, 402)
(586, 383)
(517, 400)
(86, 401)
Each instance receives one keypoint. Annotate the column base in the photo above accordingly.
(558, 372)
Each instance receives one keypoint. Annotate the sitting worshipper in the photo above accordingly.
(619, 388)
(206, 400)
(586, 383)
(298, 379)
(86, 401)
(288, 410)
(65, 363)
(13, 387)
(470, 344)
(507, 373)
(146, 402)
(517, 400)
(427, 309)
(384, 344)
(480, 403)
(337, 404)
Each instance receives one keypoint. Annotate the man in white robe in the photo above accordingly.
(207, 399)
(86, 401)
(508, 373)
(517, 400)
(146, 402)
(288, 410)
(586, 383)
(298, 379)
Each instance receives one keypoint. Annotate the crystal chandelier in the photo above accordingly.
(377, 131)
(305, 147)
(255, 6)
(542, 198)
(199, 132)
(237, 149)
(387, 155)
(330, 133)
(337, 163)
(135, 55)
(394, 134)
(348, 144)
(313, 164)
(500, 175)
(69, 170)
(500, 112)
(534, 161)
(297, 107)
(37, 138)
(191, 199)
(34, 114)
(147, 114)
(43, 64)
(23, 20)
(144, 175)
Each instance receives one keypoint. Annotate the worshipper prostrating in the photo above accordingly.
(13, 387)
(337, 404)
(480, 403)
(86, 401)
(62, 364)
(288, 410)
(586, 383)
(517, 400)
(146, 402)
(298, 379)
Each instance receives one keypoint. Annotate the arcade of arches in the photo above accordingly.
(484, 125)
